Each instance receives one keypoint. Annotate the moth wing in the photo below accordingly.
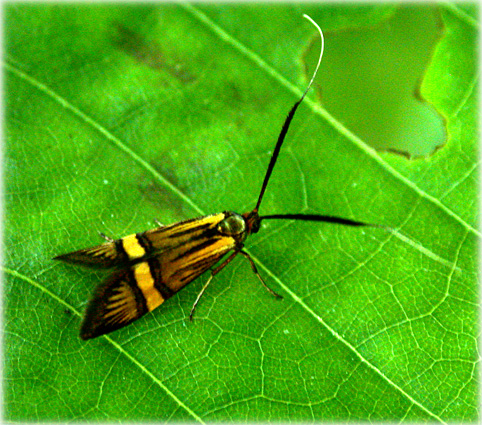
(102, 256)
(141, 246)
(129, 293)
(116, 302)
(129, 249)
(148, 276)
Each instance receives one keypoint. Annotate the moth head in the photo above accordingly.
(253, 221)
(233, 225)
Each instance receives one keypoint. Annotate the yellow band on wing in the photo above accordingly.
(145, 282)
(132, 247)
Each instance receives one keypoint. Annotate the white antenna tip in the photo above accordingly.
(321, 50)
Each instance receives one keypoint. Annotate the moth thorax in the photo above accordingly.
(232, 225)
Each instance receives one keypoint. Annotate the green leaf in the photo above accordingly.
(117, 115)
(363, 76)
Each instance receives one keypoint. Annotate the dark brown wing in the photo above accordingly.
(130, 293)
(139, 246)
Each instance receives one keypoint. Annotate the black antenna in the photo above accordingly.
(288, 120)
(274, 157)
(323, 218)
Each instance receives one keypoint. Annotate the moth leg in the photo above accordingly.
(213, 273)
(255, 270)
(158, 222)
(106, 237)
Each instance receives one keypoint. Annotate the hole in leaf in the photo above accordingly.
(370, 81)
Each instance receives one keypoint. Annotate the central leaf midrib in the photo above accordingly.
(148, 167)
(185, 198)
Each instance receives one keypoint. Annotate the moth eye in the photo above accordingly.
(232, 225)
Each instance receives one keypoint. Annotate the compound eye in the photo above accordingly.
(232, 225)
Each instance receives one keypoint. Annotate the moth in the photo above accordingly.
(152, 266)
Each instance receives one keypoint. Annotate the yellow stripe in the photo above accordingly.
(192, 225)
(224, 244)
(132, 247)
(145, 282)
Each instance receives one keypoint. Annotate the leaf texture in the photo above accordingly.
(120, 114)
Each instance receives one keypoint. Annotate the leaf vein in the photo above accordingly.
(144, 369)
(106, 133)
(372, 153)
(346, 343)
(450, 6)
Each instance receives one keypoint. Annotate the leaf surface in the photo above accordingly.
(116, 115)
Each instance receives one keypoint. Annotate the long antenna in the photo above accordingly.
(288, 120)
(322, 218)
